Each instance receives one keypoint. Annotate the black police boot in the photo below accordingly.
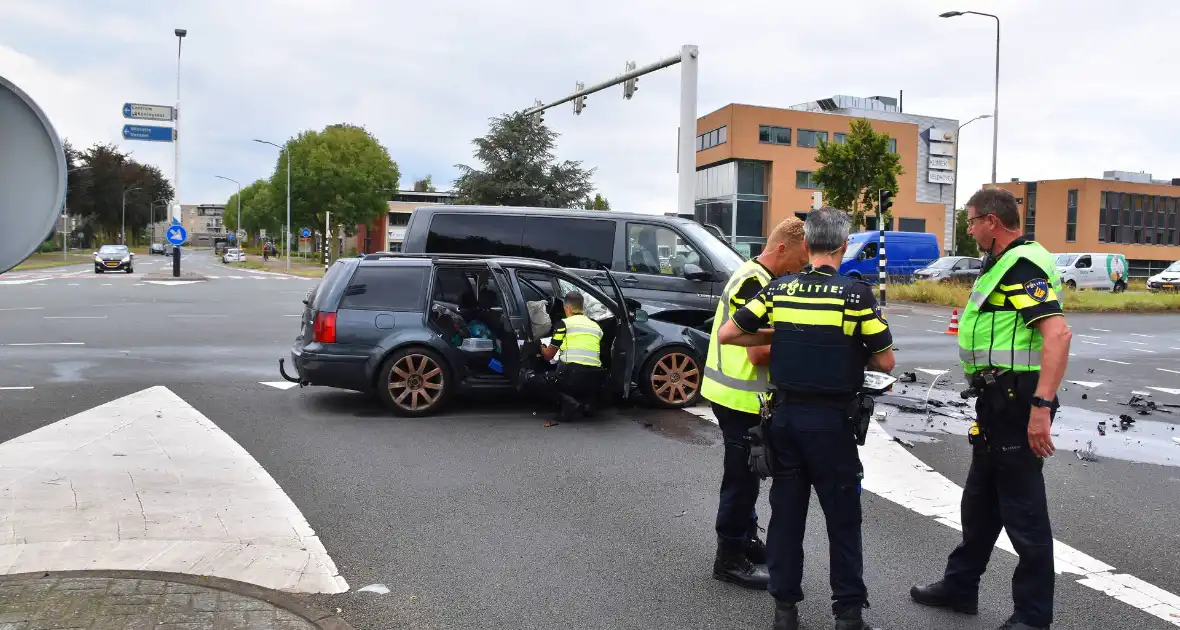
(756, 550)
(786, 616)
(1014, 624)
(569, 409)
(938, 595)
(731, 565)
(850, 618)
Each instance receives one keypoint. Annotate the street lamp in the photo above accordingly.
(65, 217)
(996, 109)
(165, 201)
(287, 240)
(955, 187)
(123, 228)
(238, 225)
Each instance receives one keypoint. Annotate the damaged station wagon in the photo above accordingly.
(418, 330)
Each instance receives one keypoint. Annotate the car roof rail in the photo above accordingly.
(389, 255)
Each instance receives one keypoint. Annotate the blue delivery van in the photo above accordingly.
(906, 252)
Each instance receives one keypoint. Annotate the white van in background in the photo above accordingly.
(1103, 272)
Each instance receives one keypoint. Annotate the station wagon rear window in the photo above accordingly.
(386, 288)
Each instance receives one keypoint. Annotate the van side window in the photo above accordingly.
(1083, 262)
(974, 263)
(481, 234)
(573, 243)
(869, 252)
(644, 244)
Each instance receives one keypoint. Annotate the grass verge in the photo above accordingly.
(280, 267)
(956, 295)
(49, 260)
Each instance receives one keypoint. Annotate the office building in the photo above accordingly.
(386, 234)
(1125, 213)
(756, 165)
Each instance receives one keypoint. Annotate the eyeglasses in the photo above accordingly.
(976, 218)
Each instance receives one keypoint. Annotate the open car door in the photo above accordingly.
(623, 350)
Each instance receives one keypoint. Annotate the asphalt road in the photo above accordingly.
(484, 518)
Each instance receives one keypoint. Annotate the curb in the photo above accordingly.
(285, 601)
(184, 277)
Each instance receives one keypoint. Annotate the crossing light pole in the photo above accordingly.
(884, 203)
(686, 154)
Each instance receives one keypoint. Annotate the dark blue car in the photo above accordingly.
(418, 330)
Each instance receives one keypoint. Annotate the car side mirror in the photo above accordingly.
(641, 316)
(694, 272)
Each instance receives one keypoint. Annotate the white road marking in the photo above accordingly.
(196, 316)
(73, 284)
(937, 332)
(15, 388)
(147, 483)
(1093, 343)
(24, 308)
(46, 343)
(295, 315)
(19, 281)
(1090, 336)
(1139, 335)
(213, 277)
(1100, 329)
(1086, 384)
(1138, 343)
(898, 315)
(1142, 350)
(106, 285)
(1139, 393)
(171, 283)
(74, 317)
(931, 372)
(1113, 361)
(1166, 390)
(279, 384)
(1167, 370)
(895, 474)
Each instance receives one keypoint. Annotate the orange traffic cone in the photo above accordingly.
(953, 327)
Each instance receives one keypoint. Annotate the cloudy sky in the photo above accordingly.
(1086, 85)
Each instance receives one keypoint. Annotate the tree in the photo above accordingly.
(96, 192)
(258, 211)
(964, 244)
(851, 173)
(520, 168)
(597, 203)
(424, 185)
(341, 170)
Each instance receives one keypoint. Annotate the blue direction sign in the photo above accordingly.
(150, 133)
(230, 237)
(177, 235)
(305, 233)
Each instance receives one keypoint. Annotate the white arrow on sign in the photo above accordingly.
(174, 234)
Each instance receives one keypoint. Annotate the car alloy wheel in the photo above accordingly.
(415, 383)
(674, 379)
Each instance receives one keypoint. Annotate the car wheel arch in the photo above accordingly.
(379, 358)
(653, 353)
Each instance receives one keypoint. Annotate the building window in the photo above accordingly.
(399, 218)
(871, 225)
(1071, 217)
(1030, 211)
(808, 138)
(893, 145)
(840, 138)
(911, 225)
(805, 179)
(710, 139)
(774, 135)
(1171, 222)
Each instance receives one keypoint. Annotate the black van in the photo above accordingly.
(674, 266)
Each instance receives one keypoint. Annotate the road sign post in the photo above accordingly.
(327, 236)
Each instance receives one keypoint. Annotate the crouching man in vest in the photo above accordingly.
(579, 374)
(734, 377)
(1014, 346)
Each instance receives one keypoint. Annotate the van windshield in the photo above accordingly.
(1174, 266)
(1065, 260)
(853, 249)
(722, 255)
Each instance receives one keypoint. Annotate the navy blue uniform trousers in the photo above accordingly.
(737, 517)
(814, 446)
(1005, 489)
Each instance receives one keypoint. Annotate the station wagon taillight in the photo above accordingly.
(325, 328)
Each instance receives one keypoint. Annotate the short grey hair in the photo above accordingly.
(826, 229)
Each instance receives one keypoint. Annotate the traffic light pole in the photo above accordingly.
(686, 154)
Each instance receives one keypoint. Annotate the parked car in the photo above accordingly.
(233, 255)
(905, 253)
(670, 260)
(418, 330)
(1166, 280)
(948, 269)
(114, 258)
(158, 248)
(1099, 271)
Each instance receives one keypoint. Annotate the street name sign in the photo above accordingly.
(148, 112)
(177, 235)
(150, 133)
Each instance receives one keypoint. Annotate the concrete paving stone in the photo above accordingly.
(13, 626)
(84, 584)
(205, 618)
(260, 619)
(229, 601)
(176, 602)
(205, 602)
(151, 587)
(123, 587)
(188, 589)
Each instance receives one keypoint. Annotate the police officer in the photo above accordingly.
(826, 328)
(1014, 346)
(580, 374)
(734, 377)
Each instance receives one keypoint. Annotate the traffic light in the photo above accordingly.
(630, 86)
(579, 101)
(884, 201)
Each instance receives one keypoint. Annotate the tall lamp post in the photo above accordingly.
(287, 240)
(123, 221)
(996, 107)
(955, 187)
(176, 209)
(238, 225)
(65, 217)
(164, 200)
